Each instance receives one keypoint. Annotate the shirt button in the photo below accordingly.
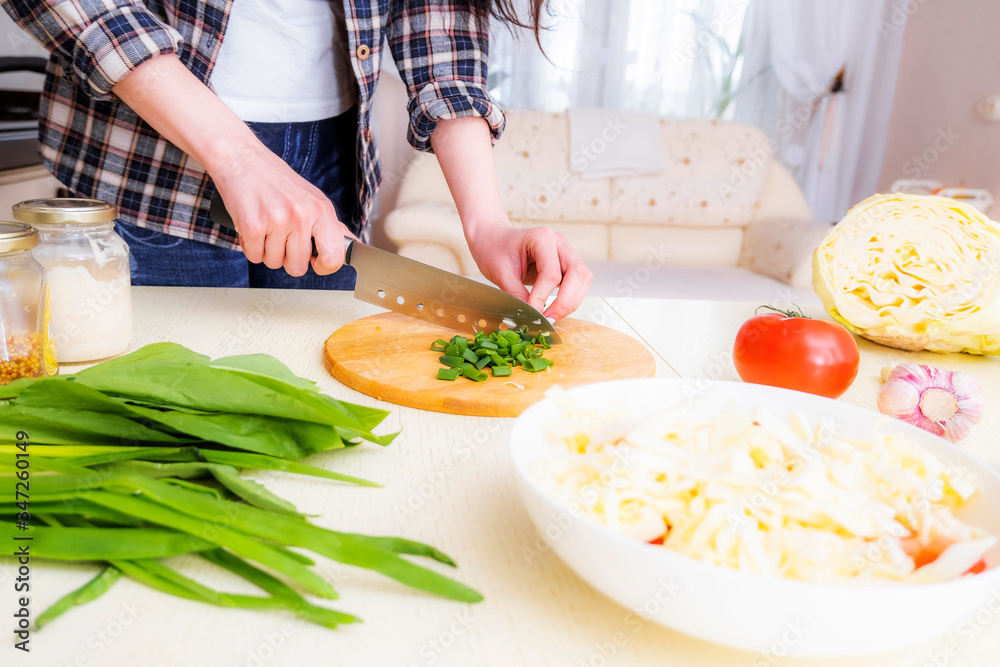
(364, 51)
(368, 134)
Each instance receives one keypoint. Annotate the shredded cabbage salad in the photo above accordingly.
(746, 490)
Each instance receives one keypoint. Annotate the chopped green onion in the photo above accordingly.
(474, 374)
(500, 351)
(535, 365)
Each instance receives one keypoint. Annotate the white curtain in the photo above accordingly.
(673, 57)
(833, 142)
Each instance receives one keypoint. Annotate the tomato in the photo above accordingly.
(787, 349)
(978, 567)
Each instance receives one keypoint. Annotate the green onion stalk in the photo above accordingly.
(137, 460)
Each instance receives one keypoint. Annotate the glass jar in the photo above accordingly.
(88, 276)
(25, 347)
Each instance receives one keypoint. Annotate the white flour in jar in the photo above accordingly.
(91, 318)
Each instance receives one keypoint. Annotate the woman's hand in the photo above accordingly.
(512, 258)
(276, 211)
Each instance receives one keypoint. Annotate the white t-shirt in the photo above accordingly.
(285, 61)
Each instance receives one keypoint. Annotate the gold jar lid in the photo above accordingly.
(15, 236)
(65, 211)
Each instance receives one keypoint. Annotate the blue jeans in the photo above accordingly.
(322, 152)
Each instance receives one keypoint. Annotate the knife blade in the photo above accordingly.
(431, 294)
(428, 293)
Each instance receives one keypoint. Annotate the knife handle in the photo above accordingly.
(220, 216)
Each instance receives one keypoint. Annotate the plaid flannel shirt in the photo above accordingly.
(98, 147)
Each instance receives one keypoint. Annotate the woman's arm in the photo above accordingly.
(276, 211)
(120, 48)
(507, 256)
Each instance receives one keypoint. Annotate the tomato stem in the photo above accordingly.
(795, 311)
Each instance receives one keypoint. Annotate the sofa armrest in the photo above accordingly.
(417, 228)
(782, 249)
(781, 196)
(434, 254)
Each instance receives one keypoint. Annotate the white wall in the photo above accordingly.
(951, 59)
(16, 42)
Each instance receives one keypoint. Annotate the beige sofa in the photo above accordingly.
(724, 221)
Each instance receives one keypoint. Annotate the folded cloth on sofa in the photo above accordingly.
(605, 143)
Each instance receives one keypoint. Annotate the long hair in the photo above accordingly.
(506, 11)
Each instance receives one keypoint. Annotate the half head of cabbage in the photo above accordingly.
(914, 272)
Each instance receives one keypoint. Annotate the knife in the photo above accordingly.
(426, 292)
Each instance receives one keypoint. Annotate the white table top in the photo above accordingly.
(449, 482)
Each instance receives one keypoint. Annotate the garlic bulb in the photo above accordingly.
(943, 402)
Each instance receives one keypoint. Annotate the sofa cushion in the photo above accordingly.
(781, 196)
(436, 255)
(783, 249)
(419, 227)
(680, 246)
(714, 177)
(533, 168)
(423, 182)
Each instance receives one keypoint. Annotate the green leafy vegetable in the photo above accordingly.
(450, 374)
(90, 591)
(137, 459)
(499, 351)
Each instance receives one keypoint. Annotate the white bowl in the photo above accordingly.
(741, 609)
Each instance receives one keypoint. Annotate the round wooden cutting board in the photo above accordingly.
(389, 356)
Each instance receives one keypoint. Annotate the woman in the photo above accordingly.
(129, 116)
